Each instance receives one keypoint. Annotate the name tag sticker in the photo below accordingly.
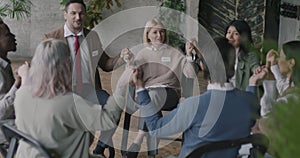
(95, 53)
(165, 59)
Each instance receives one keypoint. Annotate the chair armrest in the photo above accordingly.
(12, 134)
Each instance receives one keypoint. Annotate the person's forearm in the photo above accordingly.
(93, 117)
(169, 124)
(107, 63)
(252, 89)
(269, 96)
(282, 83)
(6, 103)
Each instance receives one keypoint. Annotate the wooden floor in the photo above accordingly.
(168, 148)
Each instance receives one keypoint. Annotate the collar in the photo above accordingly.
(217, 86)
(151, 47)
(3, 63)
(237, 52)
(68, 33)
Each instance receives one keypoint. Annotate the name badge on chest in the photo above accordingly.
(165, 59)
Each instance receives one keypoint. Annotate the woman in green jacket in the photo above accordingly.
(238, 33)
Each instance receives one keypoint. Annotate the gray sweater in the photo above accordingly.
(63, 123)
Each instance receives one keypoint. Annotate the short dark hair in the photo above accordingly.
(74, 1)
(227, 52)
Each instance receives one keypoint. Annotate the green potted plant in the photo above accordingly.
(15, 9)
(174, 34)
(283, 128)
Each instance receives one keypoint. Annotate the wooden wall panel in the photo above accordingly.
(214, 15)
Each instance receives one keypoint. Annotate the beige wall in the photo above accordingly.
(45, 16)
(48, 15)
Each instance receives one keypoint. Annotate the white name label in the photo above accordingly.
(165, 59)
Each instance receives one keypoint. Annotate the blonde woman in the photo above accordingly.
(163, 67)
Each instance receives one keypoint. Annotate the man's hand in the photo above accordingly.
(260, 74)
(255, 78)
(137, 78)
(258, 69)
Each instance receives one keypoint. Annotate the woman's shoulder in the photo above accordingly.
(24, 89)
(251, 58)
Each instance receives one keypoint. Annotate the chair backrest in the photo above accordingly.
(13, 135)
(259, 142)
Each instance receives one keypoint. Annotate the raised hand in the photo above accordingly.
(271, 58)
(258, 76)
(258, 70)
(137, 78)
(23, 71)
(189, 47)
(18, 82)
(126, 55)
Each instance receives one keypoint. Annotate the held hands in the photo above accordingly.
(137, 78)
(264, 72)
(271, 58)
(189, 47)
(258, 69)
(259, 74)
(126, 55)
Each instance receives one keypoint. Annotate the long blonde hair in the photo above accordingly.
(50, 73)
(149, 25)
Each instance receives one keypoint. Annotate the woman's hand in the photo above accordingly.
(126, 55)
(258, 76)
(23, 71)
(18, 81)
(271, 58)
(189, 47)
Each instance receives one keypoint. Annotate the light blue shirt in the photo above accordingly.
(221, 113)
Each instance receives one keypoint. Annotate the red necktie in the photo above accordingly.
(78, 66)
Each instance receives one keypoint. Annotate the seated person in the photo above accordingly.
(238, 32)
(48, 110)
(221, 113)
(281, 79)
(163, 67)
(8, 84)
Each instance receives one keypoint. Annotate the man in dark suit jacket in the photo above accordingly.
(92, 54)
